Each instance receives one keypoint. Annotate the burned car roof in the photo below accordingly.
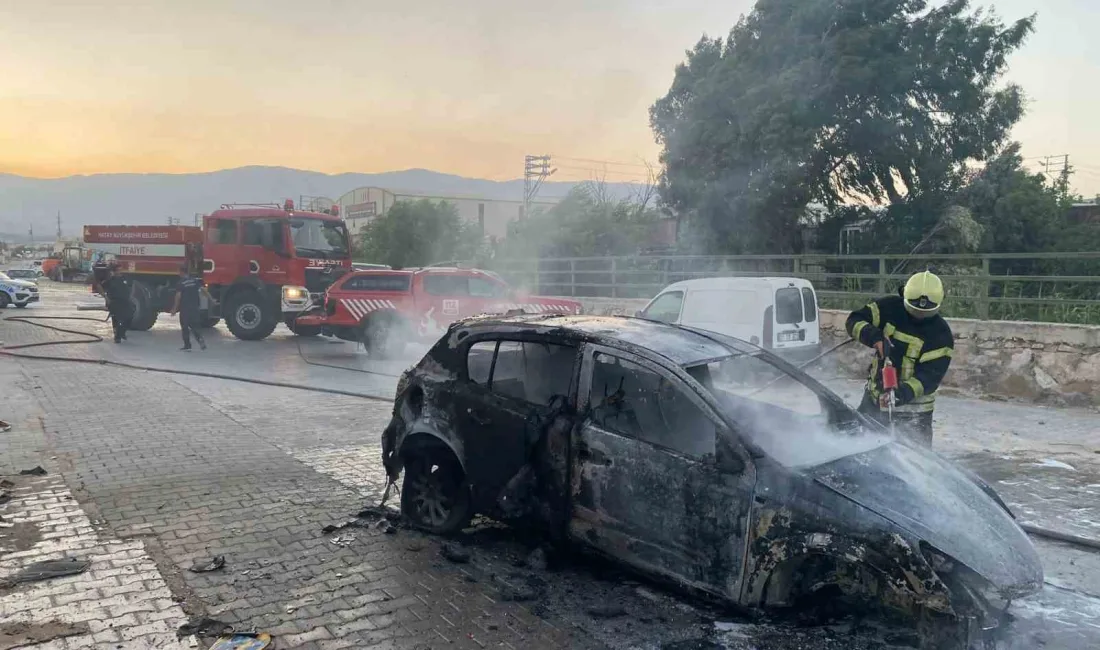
(683, 346)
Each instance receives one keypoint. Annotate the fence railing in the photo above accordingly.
(1053, 287)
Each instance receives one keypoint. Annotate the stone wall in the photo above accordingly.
(1038, 362)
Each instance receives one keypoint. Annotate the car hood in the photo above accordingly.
(22, 284)
(940, 504)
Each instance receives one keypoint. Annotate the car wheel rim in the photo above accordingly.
(430, 499)
(248, 316)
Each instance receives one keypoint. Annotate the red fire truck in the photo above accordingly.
(383, 309)
(262, 264)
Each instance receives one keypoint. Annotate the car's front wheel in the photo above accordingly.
(434, 495)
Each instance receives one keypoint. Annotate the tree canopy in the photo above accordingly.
(418, 233)
(839, 102)
(587, 223)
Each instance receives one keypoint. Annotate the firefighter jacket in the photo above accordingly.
(921, 350)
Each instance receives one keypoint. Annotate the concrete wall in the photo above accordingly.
(1039, 362)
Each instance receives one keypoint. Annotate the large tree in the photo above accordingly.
(837, 102)
(418, 233)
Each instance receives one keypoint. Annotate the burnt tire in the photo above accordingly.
(382, 335)
(301, 330)
(144, 315)
(248, 316)
(434, 494)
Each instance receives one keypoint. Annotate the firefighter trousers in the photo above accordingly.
(189, 326)
(914, 426)
(120, 322)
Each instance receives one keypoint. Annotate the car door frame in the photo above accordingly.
(468, 393)
(587, 527)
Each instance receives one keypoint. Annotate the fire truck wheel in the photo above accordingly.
(247, 318)
(301, 330)
(145, 316)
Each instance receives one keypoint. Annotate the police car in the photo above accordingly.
(16, 292)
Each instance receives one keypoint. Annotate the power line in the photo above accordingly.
(605, 162)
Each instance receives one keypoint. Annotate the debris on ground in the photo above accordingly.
(377, 517)
(47, 570)
(5, 496)
(4, 427)
(5, 483)
(606, 611)
(205, 566)
(455, 553)
(537, 560)
(19, 635)
(243, 642)
(343, 540)
(34, 471)
(203, 627)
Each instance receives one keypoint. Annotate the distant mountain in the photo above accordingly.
(153, 198)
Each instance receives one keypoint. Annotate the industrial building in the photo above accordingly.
(492, 216)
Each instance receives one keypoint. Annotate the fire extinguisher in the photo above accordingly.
(889, 381)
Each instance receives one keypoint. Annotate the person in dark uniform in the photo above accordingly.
(187, 304)
(116, 289)
(919, 341)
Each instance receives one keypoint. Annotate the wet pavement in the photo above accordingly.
(187, 467)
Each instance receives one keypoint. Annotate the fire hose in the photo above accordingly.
(11, 351)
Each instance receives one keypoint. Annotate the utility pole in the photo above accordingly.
(31, 233)
(1055, 164)
(59, 225)
(536, 169)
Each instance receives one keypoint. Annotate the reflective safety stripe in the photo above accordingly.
(875, 316)
(857, 328)
(936, 354)
(918, 388)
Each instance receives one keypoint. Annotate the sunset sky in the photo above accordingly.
(459, 87)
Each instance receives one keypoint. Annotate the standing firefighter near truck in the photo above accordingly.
(116, 290)
(187, 304)
(908, 333)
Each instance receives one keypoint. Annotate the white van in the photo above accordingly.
(778, 314)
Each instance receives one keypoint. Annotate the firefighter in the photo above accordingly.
(116, 290)
(909, 328)
(187, 304)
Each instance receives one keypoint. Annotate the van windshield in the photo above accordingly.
(788, 306)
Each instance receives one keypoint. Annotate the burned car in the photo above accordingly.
(699, 459)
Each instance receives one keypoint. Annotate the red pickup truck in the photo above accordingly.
(386, 308)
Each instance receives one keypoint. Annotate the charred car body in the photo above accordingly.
(699, 459)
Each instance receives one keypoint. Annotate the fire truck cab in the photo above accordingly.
(265, 264)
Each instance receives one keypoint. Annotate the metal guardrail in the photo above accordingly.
(1057, 287)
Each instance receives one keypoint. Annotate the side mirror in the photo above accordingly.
(727, 461)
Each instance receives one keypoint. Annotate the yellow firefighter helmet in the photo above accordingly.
(923, 294)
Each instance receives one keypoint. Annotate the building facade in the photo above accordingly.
(361, 206)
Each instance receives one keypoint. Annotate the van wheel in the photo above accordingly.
(247, 317)
(434, 494)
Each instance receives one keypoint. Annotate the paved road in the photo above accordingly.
(149, 473)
